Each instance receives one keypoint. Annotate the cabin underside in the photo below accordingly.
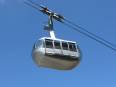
(60, 62)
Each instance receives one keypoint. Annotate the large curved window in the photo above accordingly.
(38, 44)
(65, 45)
(57, 44)
(48, 43)
(72, 47)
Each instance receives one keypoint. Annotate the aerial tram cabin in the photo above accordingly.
(55, 53)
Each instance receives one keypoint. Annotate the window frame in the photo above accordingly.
(57, 42)
(39, 43)
(64, 47)
(72, 46)
(50, 41)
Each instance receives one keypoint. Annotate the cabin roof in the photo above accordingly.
(43, 38)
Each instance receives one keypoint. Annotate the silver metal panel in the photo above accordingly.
(58, 51)
(74, 54)
(53, 61)
(49, 50)
(65, 52)
(56, 58)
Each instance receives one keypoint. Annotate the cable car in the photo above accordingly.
(56, 53)
(52, 52)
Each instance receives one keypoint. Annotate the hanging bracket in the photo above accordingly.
(45, 10)
(52, 15)
(49, 27)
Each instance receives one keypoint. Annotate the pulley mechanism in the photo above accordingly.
(54, 15)
(45, 10)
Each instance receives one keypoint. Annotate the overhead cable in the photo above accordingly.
(84, 33)
(94, 35)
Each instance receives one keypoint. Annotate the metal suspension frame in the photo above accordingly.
(50, 27)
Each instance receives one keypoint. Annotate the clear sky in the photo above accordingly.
(21, 26)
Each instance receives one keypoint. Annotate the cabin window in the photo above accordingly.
(57, 44)
(38, 44)
(72, 47)
(49, 43)
(65, 45)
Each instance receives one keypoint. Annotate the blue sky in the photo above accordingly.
(21, 26)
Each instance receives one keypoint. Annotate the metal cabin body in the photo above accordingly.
(56, 53)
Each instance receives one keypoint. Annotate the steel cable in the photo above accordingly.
(84, 33)
(96, 36)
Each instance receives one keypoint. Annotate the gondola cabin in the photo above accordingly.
(56, 53)
(52, 52)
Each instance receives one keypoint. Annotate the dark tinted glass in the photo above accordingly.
(57, 44)
(72, 47)
(65, 45)
(49, 43)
